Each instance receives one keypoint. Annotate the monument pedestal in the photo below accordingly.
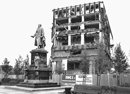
(37, 75)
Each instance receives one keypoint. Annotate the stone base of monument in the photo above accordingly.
(37, 74)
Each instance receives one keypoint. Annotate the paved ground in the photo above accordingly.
(4, 90)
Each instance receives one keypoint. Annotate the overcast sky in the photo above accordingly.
(19, 20)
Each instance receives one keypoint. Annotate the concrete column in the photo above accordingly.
(69, 10)
(82, 18)
(100, 33)
(53, 66)
(69, 19)
(54, 38)
(69, 39)
(69, 23)
(82, 38)
(82, 25)
(90, 67)
(54, 41)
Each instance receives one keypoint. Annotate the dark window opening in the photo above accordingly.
(92, 26)
(75, 27)
(70, 66)
(92, 8)
(56, 12)
(65, 43)
(102, 10)
(87, 8)
(60, 13)
(76, 39)
(97, 6)
(72, 11)
(63, 40)
(73, 65)
(91, 17)
(60, 22)
(77, 65)
(65, 11)
(62, 29)
(78, 9)
(89, 39)
(75, 52)
(77, 19)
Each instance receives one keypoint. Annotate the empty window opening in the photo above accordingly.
(60, 22)
(91, 17)
(63, 40)
(75, 27)
(60, 13)
(56, 13)
(64, 12)
(70, 66)
(62, 29)
(77, 65)
(87, 9)
(76, 19)
(75, 52)
(92, 8)
(89, 39)
(101, 7)
(78, 8)
(73, 65)
(75, 39)
(96, 25)
(72, 11)
(97, 7)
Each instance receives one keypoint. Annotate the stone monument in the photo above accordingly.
(37, 74)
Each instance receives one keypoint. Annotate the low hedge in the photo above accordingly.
(8, 81)
(15, 81)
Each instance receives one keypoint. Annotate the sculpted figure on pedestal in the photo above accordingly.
(39, 37)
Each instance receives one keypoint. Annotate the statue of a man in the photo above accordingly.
(39, 37)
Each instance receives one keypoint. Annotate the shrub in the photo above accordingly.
(15, 81)
(8, 81)
(5, 80)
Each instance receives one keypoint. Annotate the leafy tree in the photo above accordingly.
(120, 59)
(102, 62)
(6, 68)
(84, 66)
(50, 63)
(18, 68)
(59, 69)
(26, 62)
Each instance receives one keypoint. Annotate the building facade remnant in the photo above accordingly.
(76, 29)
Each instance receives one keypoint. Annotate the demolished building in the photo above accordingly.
(76, 29)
